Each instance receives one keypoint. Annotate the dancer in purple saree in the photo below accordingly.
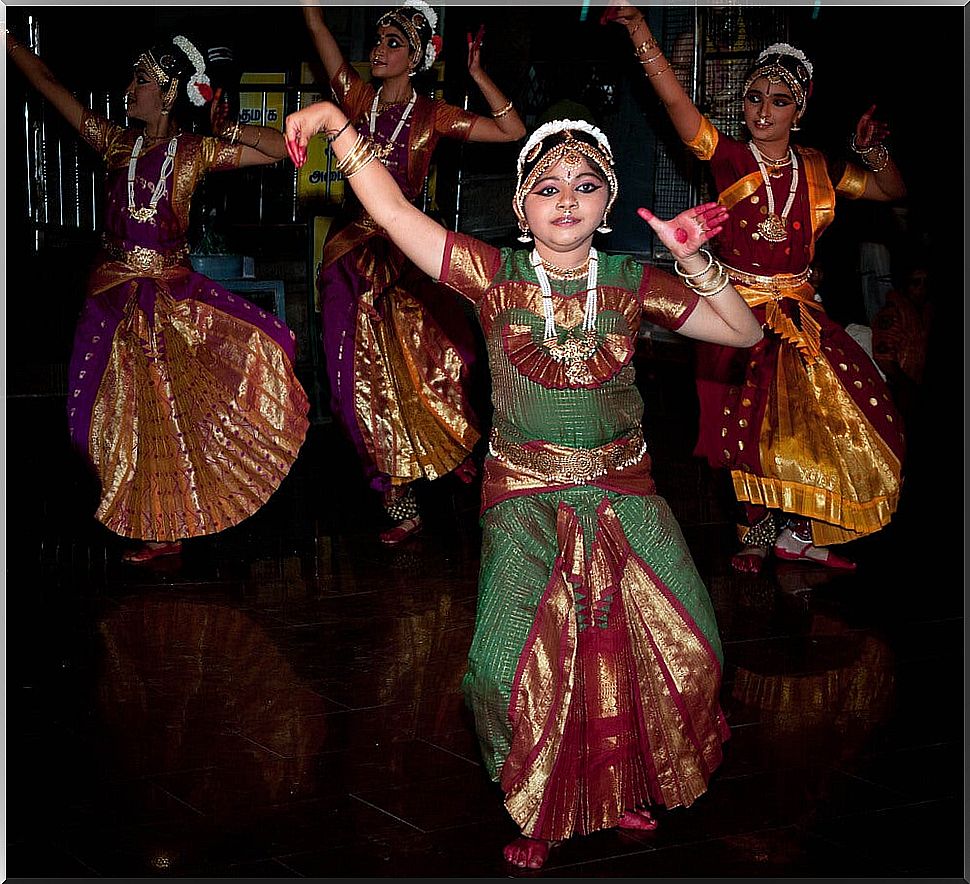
(181, 394)
(397, 349)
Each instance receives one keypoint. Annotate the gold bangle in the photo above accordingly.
(658, 73)
(348, 157)
(502, 111)
(644, 46)
(652, 58)
(357, 157)
(259, 134)
(365, 154)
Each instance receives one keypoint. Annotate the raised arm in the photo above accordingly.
(505, 123)
(39, 76)
(885, 182)
(680, 108)
(330, 55)
(420, 238)
(721, 315)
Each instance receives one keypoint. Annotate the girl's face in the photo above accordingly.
(390, 55)
(143, 98)
(769, 111)
(566, 205)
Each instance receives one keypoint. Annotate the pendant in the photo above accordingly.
(145, 213)
(574, 353)
(773, 229)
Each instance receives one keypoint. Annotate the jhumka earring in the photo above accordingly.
(794, 126)
(526, 234)
(604, 227)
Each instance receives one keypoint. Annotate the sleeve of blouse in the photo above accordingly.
(852, 180)
(667, 302)
(218, 155)
(453, 122)
(99, 132)
(705, 142)
(350, 91)
(468, 265)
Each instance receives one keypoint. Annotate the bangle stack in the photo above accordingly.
(501, 112)
(875, 157)
(357, 157)
(710, 281)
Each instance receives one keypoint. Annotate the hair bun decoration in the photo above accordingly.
(198, 87)
(425, 10)
(788, 49)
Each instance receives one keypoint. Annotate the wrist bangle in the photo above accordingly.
(644, 46)
(339, 132)
(652, 58)
(658, 72)
(502, 111)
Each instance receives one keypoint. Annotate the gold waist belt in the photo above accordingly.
(560, 464)
(145, 259)
(776, 281)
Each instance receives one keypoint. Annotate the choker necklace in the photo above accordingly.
(557, 272)
(773, 227)
(776, 166)
(146, 213)
(384, 150)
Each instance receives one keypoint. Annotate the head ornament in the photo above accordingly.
(568, 141)
(782, 63)
(417, 21)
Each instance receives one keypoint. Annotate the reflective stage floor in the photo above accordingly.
(282, 700)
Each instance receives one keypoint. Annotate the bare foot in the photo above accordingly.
(749, 559)
(637, 819)
(527, 853)
(150, 550)
(401, 531)
(793, 549)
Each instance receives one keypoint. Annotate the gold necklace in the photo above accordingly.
(565, 272)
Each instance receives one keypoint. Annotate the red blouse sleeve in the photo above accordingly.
(469, 266)
(667, 302)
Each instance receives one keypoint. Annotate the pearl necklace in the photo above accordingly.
(773, 227)
(384, 150)
(589, 311)
(146, 213)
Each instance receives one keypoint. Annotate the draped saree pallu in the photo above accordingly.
(803, 421)
(182, 394)
(595, 668)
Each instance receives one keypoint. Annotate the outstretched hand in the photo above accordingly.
(686, 233)
(868, 131)
(475, 51)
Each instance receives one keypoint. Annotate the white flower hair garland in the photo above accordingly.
(198, 88)
(787, 49)
(553, 126)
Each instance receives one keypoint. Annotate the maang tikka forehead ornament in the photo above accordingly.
(782, 63)
(417, 21)
(568, 141)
